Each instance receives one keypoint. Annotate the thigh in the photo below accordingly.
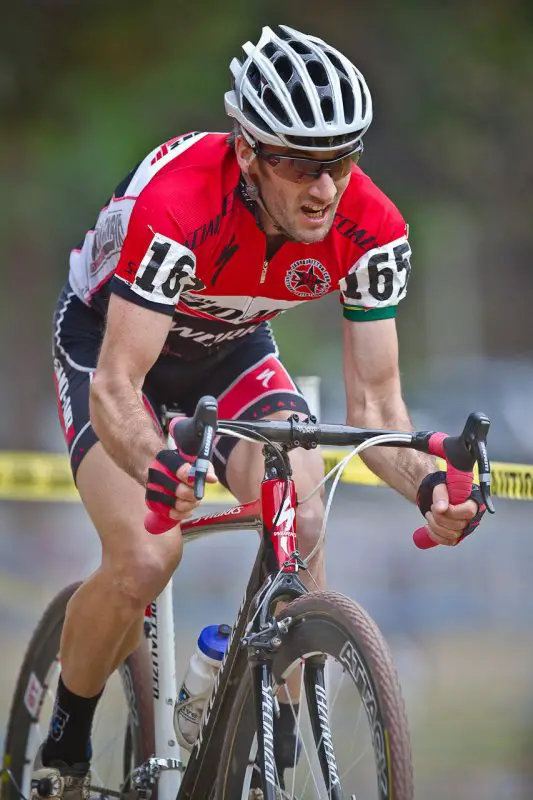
(262, 388)
(115, 503)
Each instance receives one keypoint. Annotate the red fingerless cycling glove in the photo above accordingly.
(162, 482)
(424, 500)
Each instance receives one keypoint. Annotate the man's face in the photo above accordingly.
(302, 210)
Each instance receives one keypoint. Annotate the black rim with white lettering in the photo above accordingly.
(354, 739)
(123, 730)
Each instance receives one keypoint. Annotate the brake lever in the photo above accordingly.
(483, 465)
(475, 439)
(201, 465)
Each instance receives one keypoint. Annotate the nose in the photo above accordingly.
(323, 188)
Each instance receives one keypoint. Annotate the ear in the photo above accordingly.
(245, 154)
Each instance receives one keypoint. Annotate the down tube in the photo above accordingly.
(164, 690)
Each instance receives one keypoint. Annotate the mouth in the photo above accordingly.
(314, 213)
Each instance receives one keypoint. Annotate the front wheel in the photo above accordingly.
(354, 739)
(123, 729)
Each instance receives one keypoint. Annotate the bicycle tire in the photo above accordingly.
(320, 618)
(41, 654)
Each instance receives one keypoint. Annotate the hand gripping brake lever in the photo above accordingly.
(461, 453)
(194, 438)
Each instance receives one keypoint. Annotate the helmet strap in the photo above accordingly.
(252, 190)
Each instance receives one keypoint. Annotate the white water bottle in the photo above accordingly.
(198, 682)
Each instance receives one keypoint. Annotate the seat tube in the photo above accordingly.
(164, 689)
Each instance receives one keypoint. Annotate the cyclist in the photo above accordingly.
(169, 298)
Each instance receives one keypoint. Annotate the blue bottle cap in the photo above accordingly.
(213, 641)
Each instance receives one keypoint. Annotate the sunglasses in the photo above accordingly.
(295, 168)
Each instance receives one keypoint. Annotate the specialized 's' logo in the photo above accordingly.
(265, 377)
(308, 278)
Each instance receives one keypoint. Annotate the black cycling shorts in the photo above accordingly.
(246, 377)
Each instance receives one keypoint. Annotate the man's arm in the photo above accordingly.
(374, 400)
(133, 340)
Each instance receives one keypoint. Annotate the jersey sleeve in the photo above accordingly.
(378, 280)
(154, 266)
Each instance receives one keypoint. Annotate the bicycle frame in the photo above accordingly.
(274, 517)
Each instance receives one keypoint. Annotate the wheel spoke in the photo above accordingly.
(348, 689)
(297, 721)
(319, 744)
(357, 760)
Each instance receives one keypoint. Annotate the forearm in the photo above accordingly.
(401, 468)
(124, 426)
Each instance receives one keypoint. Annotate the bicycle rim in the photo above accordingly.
(123, 725)
(348, 713)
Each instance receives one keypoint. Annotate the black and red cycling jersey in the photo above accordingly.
(180, 236)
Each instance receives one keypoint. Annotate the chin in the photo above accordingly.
(317, 235)
(311, 237)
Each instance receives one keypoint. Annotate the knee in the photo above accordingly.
(138, 577)
(309, 520)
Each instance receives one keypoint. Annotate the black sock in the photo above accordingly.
(69, 736)
(285, 739)
(288, 714)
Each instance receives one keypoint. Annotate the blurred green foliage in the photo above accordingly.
(86, 89)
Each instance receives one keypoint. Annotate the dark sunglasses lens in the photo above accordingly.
(305, 168)
(340, 169)
(302, 167)
(295, 169)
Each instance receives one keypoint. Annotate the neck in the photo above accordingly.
(273, 243)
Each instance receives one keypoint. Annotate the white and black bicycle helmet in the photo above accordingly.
(297, 91)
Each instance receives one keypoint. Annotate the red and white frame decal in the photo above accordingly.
(33, 695)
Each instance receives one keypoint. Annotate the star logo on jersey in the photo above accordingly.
(308, 278)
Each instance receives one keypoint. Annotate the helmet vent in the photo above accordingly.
(281, 33)
(347, 101)
(317, 73)
(274, 106)
(284, 68)
(253, 116)
(337, 63)
(363, 99)
(254, 76)
(301, 48)
(320, 142)
(302, 105)
(269, 49)
(326, 104)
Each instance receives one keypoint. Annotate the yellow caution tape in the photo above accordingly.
(47, 476)
(36, 476)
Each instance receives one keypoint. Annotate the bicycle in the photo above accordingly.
(322, 634)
